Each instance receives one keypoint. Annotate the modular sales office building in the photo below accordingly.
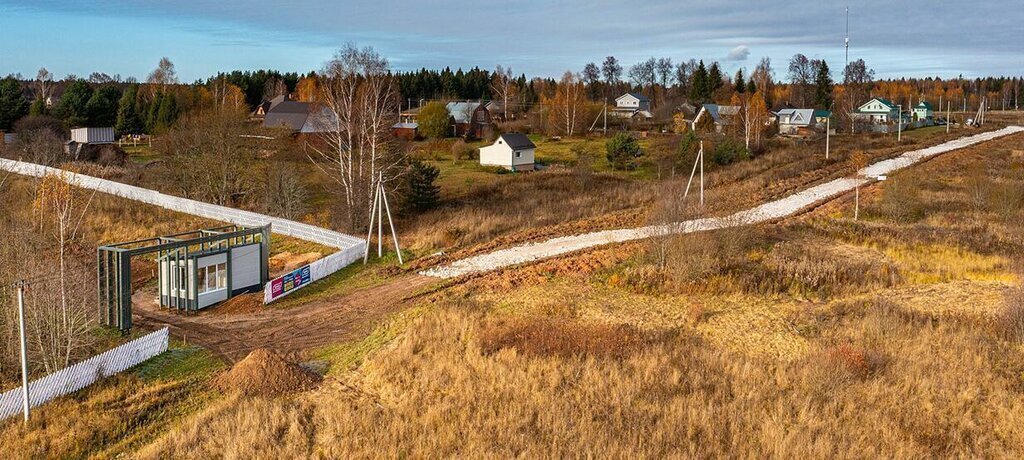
(211, 275)
(196, 269)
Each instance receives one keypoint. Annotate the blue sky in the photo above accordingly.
(128, 37)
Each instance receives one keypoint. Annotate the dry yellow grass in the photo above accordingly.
(902, 387)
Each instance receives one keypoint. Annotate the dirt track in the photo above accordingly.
(291, 330)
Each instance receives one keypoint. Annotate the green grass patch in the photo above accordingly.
(281, 243)
(179, 362)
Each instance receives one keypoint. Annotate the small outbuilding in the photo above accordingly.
(405, 130)
(92, 136)
(513, 151)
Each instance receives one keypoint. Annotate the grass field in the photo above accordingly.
(820, 336)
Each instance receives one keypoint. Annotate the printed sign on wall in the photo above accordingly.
(289, 282)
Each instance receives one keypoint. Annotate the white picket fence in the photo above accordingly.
(85, 373)
(350, 248)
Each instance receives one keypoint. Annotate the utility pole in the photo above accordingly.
(899, 123)
(380, 207)
(24, 356)
(699, 163)
(948, 121)
(828, 128)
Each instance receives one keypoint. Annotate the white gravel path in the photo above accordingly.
(772, 210)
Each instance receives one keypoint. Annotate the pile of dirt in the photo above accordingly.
(238, 305)
(266, 373)
(285, 261)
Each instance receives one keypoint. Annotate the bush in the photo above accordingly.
(434, 121)
(623, 151)
(729, 151)
(463, 151)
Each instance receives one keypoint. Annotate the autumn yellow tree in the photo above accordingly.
(753, 117)
(307, 89)
(567, 108)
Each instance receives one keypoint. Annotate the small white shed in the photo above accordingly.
(512, 151)
(93, 135)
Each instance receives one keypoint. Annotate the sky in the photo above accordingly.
(897, 38)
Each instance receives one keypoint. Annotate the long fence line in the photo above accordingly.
(350, 248)
(85, 373)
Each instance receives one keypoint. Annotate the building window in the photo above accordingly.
(213, 278)
(519, 154)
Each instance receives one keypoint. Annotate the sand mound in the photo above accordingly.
(239, 304)
(266, 373)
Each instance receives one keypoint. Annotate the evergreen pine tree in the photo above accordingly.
(72, 106)
(823, 87)
(38, 108)
(167, 113)
(151, 114)
(13, 105)
(698, 90)
(422, 193)
(739, 85)
(715, 80)
(128, 119)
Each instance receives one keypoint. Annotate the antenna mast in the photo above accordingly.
(847, 34)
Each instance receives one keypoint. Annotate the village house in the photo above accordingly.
(261, 110)
(796, 122)
(632, 105)
(877, 111)
(513, 151)
(497, 111)
(721, 115)
(470, 119)
(298, 117)
(923, 112)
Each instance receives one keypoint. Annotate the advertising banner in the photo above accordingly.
(289, 282)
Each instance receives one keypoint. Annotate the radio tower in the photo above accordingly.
(847, 35)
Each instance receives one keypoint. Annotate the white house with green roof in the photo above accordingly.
(877, 110)
(923, 111)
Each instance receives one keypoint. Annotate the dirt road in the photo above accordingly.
(291, 330)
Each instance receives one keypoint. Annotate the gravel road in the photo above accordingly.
(772, 210)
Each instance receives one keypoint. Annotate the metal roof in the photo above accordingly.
(517, 141)
(462, 112)
(639, 96)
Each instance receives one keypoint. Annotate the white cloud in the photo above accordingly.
(739, 53)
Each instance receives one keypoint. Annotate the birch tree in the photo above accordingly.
(357, 104)
(568, 104)
(60, 315)
(503, 86)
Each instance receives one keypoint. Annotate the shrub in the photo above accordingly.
(463, 151)
(729, 151)
(623, 151)
(434, 121)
